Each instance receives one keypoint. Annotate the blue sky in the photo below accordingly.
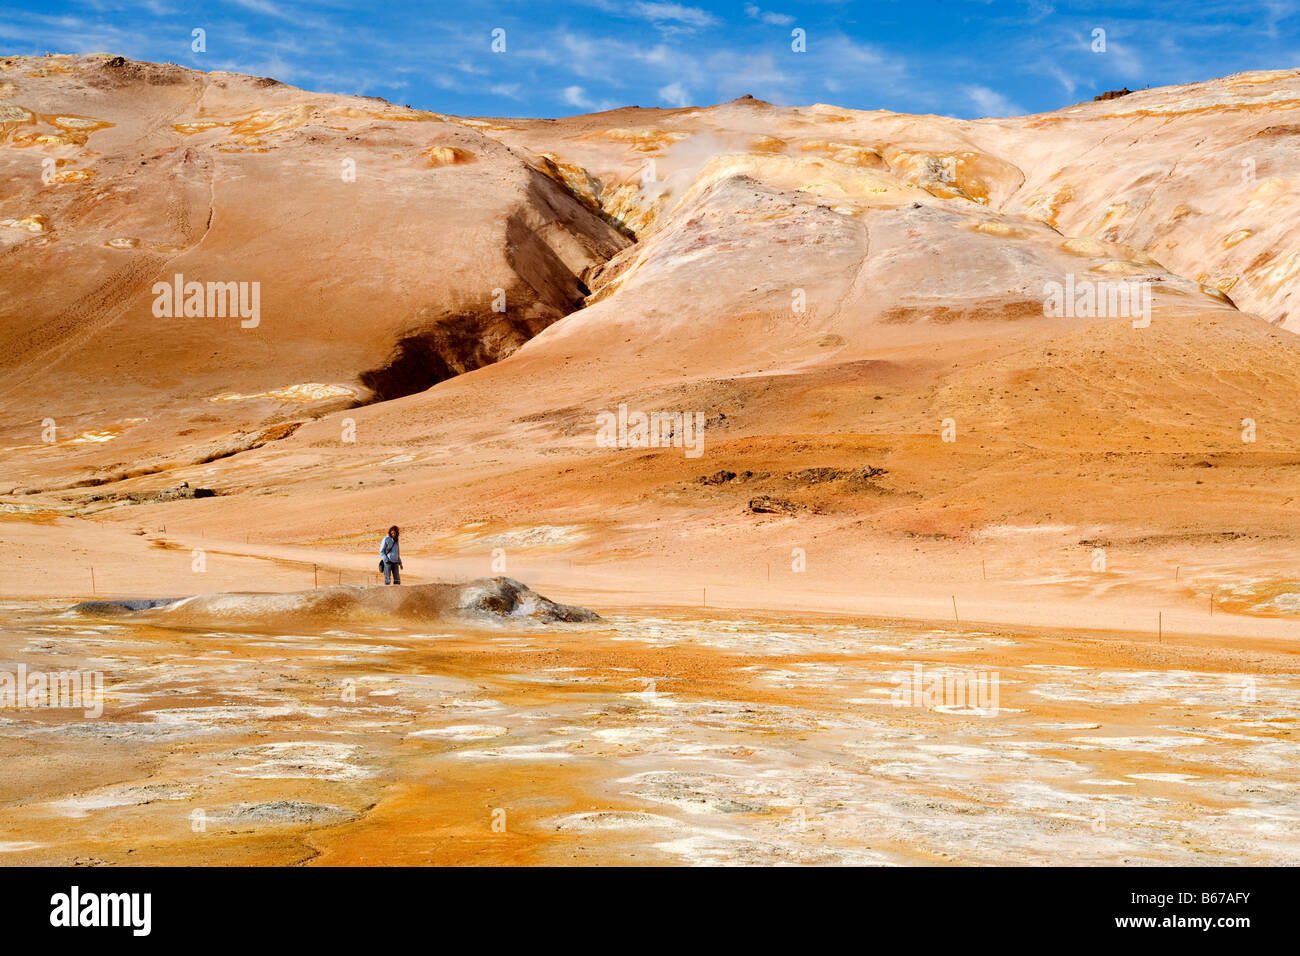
(960, 58)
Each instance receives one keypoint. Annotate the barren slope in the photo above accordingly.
(831, 291)
(380, 237)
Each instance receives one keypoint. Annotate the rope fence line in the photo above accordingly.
(928, 611)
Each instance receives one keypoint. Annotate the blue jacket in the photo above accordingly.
(389, 551)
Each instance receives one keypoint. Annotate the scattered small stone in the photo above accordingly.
(769, 505)
(725, 477)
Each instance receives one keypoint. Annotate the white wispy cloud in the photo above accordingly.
(673, 13)
(768, 16)
(1111, 51)
(579, 97)
(1276, 11)
(991, 102)
(1126, 60)
(267, 9)
(674, 94)
(1068, 82)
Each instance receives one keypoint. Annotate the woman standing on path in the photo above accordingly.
(390, 558)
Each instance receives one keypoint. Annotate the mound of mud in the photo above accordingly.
(104, 608)
(486, 599)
